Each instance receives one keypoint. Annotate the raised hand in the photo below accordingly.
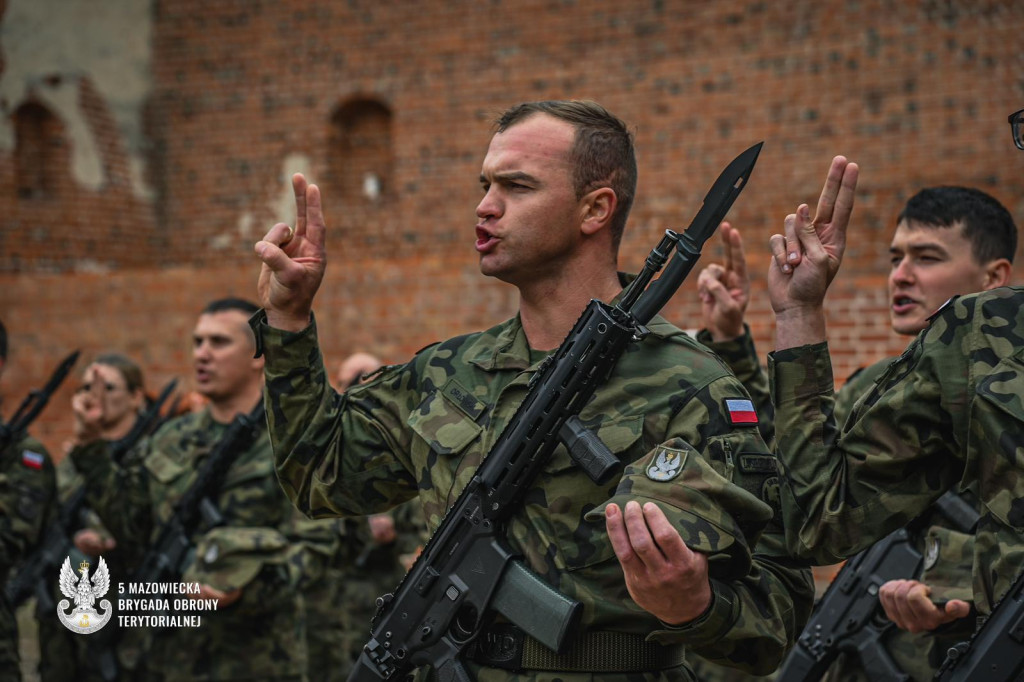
(806, 258)
(664, 576)
(294, 261)
(87, 406)
(724, 289)
(907, 603)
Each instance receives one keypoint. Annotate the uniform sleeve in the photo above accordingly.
(843, 491)
(309, 422)
(740, 356)
(28, 492)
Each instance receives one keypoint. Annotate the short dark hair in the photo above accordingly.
(986, 222)
(222, 305)
(602, 153)
(126, 367)
(3, 342)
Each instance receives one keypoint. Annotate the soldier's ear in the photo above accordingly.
(997, 273)
(597, 208)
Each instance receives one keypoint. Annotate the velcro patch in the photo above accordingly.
(741, 411)
(667, 464)
(463, 399)
(33, 460)
(758, 464)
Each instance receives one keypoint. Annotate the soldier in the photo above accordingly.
(28, 494)
(558, 181)
(116, 383)
(947, 414)
(948, 241)
(255, 560)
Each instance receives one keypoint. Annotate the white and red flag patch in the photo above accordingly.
(33, 460)
(740, 410)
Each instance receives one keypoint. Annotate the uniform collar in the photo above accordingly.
(504, 347)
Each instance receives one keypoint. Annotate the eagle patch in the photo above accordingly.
(666, 465)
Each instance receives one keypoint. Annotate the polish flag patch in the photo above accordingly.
(32, 460)
(741, 411)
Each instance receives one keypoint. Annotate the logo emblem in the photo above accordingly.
(84, 619)
(666, 465)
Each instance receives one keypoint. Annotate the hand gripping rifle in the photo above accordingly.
(850, 619)
(33, 404)
(467, 568)
(996, 651)
(163, 560)
(44, 562)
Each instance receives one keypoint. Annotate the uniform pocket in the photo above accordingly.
(445, 428)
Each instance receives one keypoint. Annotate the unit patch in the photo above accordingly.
(667, 464)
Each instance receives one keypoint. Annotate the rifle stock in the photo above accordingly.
(467, 569)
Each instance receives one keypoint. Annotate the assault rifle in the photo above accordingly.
(163, 560)
(996, 651)
(33, 404)
(468, 569)
(39, 568)
(849, 618)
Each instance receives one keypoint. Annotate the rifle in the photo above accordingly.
(45, 560)
(33, 404)
(849, 617)
(163, 560)
(995, 653)
(467, 569)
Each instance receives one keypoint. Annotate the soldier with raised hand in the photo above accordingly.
(948, 240)
(28, 497)
(947, 414)
(254, 560)
(558, 180)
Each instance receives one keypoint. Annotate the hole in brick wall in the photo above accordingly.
(359, 156)
(40, 151)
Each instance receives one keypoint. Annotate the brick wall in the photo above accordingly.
(242, 94)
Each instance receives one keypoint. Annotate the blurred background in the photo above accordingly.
(146, 145)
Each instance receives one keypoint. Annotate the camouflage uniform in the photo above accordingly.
(948, 413)
(376, 569)
(423, 428)
(263, 547)
(27, 500)
(947, 551)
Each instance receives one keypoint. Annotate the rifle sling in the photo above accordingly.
(508, 647)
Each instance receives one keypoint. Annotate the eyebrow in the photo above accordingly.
(916, 248)
(513, 176)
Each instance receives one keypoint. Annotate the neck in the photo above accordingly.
(223, 410)
(549, 309)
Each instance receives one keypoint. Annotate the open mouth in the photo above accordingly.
(485, 241)
(901, 304)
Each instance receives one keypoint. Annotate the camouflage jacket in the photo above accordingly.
(949, 412)
(424, 427)
(28, 493)
(947, 550)
(263, 547)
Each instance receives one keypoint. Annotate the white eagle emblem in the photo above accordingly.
(666, 465)
(84, 618)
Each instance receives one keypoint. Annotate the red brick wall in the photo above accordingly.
(916, 92)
